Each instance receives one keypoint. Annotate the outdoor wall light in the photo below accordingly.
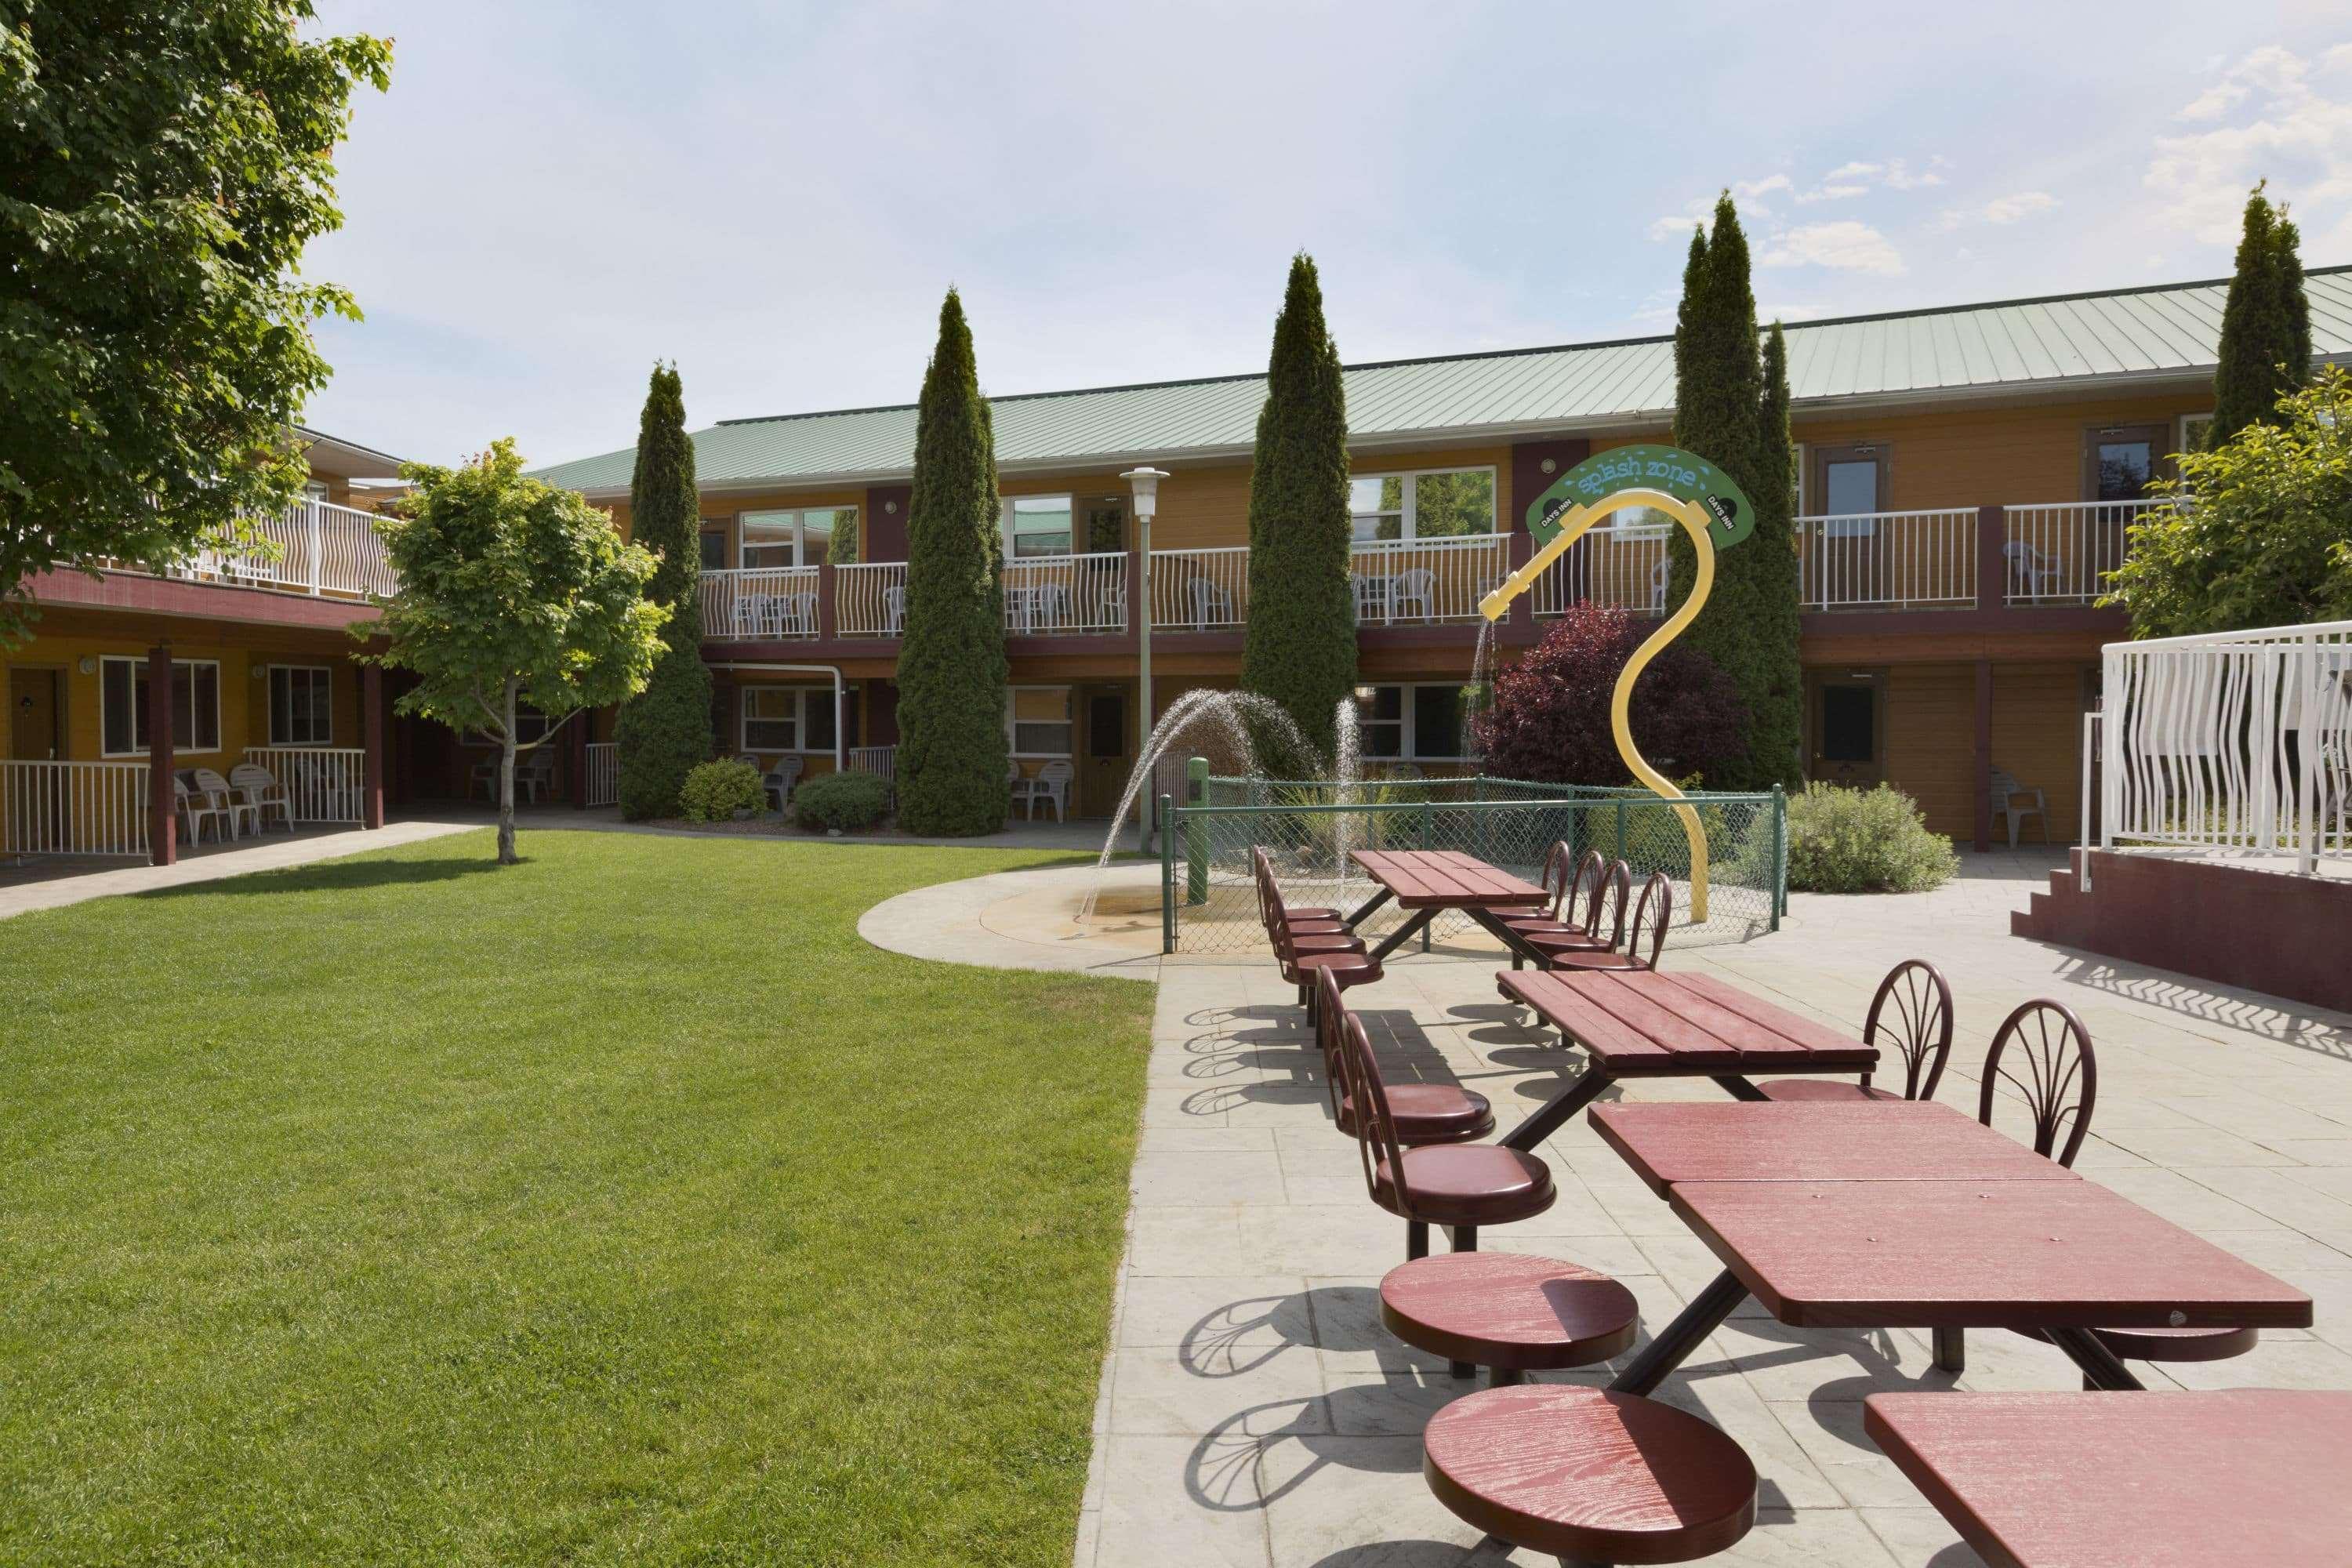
(1550, 465)
(87, 665)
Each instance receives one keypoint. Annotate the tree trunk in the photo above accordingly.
(507, 856)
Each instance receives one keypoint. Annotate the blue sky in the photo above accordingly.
(554, 194)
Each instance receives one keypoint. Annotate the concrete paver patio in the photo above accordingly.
(1254, 1412)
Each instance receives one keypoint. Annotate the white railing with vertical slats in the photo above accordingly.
(2241, 741)
(604, 774)
(2061, 554)
(312, 547)
(1924, 560)
(1422, 582)
(763, 603)
(322, 783)
(1199, 590)
(882, 761)
(73, 808)
(869, 599)
(1621, 568)
(1051, 594)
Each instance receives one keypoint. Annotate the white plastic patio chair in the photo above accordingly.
(535, 774)
(1415, 587)
(796, 614)
(1658, 588)
(779, 781)
(233, 803)
(894, 610)
(1211, 605)
(260, 790)
(2006, 795)
(1020, 784)
(2033, 569)
(197, 806)
(1052, 784)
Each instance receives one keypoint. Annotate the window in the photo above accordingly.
(1630, 524)
(1849, 724)
(2120, 461)
(301, 705)
(1852, 486)
(2193, 431)
(1439, 503)
(713, 542)
(1038, 720)
(314, 490)
(801, 538)
(788, 719)
(1035, 525)
(1422, 723)
(123, 706)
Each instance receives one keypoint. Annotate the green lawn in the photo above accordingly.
(619, 1206)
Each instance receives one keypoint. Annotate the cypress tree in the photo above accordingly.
(2265, 323)
(1299, 645)
(951, 663)
(1730, 410)
(665, 731)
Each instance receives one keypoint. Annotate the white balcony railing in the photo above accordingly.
(322, 783)
(1623, 568)
(764, 603)
(604, 774)
(869, 599)
(73, 808)
(313, 547)
(882, 761)
(1199, 590)
(2060, 555)
(1050, 594)
(1425, 582)
(1889, 560)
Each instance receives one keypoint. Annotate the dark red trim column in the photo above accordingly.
(1993, 566)
(163, 816)
(372, 737)
(580, 726)
(1984, 755)
(824, 612)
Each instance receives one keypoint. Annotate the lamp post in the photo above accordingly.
(1145, 484)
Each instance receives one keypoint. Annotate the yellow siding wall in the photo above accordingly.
(2037, 735)
(244, 695)
(1931, 741)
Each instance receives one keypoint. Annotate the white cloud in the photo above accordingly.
(2265, 119)
(1833, 193)
(1900, 178)
(1855, 171)
(2009, 209)
(1845, 246)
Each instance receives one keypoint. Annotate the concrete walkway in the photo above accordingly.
(1253, 1410)
(49, 885)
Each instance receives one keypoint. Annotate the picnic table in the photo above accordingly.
(1878, 1236)
(1645, 1024)
(2243, 1477)
(1427, 882)
(1814, 1141)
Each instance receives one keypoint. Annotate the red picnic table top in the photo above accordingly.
(1650, 1023)
(1974, 1253)
(2247, 1478)
(1446, 879)
(1812, 1141)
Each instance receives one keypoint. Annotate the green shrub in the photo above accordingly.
(1864, 841)
(713, 792)
(848, 800)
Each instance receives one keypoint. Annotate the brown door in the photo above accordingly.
(37, 818)
(1109, 752)
(1846, 717)
(35, 729)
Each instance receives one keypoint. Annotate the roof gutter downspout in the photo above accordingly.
(832, 670)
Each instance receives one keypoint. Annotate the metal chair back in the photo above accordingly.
(1653, 914)
(1615, 887)
(2043, 1052)
(1376, 1134)
(1912, 1012)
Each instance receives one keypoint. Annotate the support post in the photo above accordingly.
(162, 817)
(580, 760)
(1984, 755)
(372, 737)
(1167, 875)
(1779, 854)
(1138, 610)
(1196, 831)
(1993, 566)
(826, 580)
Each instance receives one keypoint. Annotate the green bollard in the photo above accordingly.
(1166, 875)
(1196, 834)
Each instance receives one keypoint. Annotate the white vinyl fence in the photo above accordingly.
(73, 808)
(322, 783)
(880, 761)
(604, 774)
(2241, 741)
(1199, 590)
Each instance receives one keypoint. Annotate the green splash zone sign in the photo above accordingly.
(1683, 475)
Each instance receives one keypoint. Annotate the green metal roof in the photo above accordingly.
(2119, 337)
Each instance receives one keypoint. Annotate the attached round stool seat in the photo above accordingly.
(1589, 1475)
(1296, 912)
(1429, 1114)
(2179, 1344)
(1467, 1184)
(1509, 1311)
(1552, 942)
(1349, 966)
(1821, 1092)
(1582, 958)
(1325, 941)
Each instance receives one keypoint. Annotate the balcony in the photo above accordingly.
(2060, 555)
(314, 548)
(1888, 561)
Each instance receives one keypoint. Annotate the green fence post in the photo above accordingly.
(1620, 828)
(1196, 834)
(1479, 797)
(1168, 872)
(1779, 854)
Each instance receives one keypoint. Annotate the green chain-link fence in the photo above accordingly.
(1310, 829)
